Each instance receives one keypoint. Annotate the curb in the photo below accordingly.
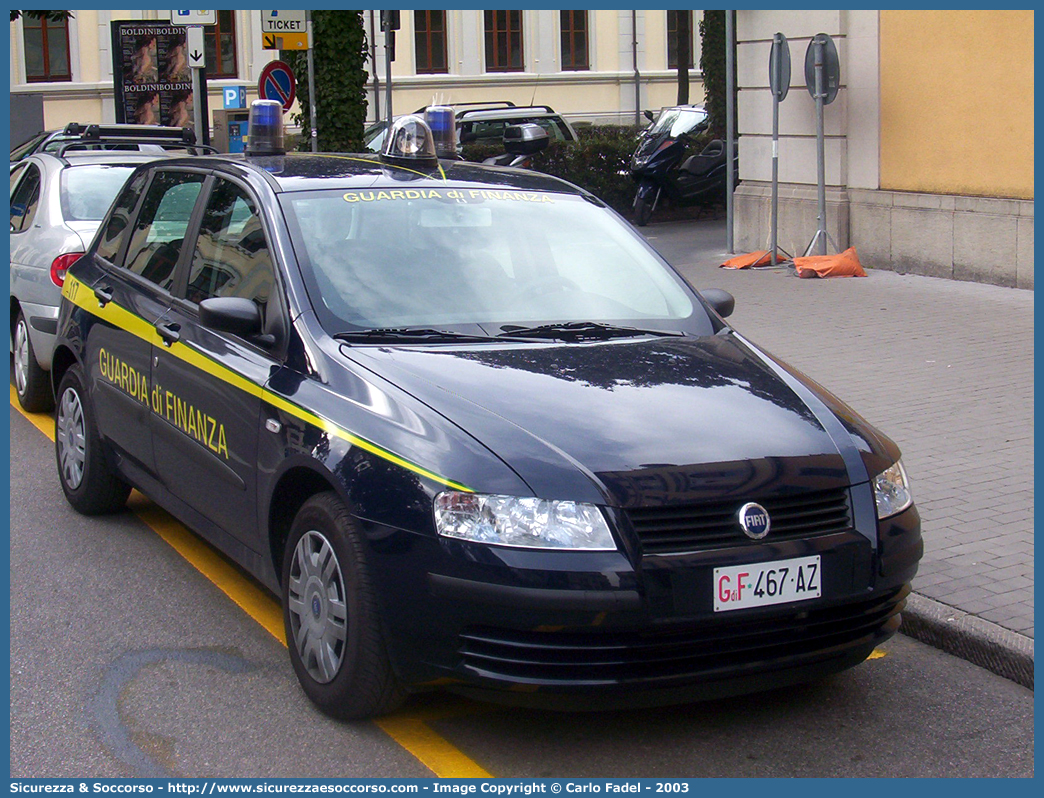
(1002, 651)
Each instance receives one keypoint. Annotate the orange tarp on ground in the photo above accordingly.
(759, 258)
(844, 265)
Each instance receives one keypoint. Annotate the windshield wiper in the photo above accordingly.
(395, 335)
(581, 331)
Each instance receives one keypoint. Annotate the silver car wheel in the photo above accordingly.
(72, 439)
(21, 356)
(317, 608)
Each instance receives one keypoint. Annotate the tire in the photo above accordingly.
(88, 479)
(333, 627)
(32, 383)
(642, 210)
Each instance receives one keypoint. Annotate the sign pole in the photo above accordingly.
(821, 233)
(198, 87)
(311, 84)
(823, 79)
(389, 39)
(779, 80)
(730, 132)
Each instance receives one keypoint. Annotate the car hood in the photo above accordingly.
(647, 421)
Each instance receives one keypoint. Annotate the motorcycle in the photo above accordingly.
(658, 166)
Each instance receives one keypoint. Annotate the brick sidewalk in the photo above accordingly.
(944, 368)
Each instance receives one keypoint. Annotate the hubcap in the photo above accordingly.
(21, 357)
(71, 437)
(318, 613)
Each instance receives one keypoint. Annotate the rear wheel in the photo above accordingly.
(88, 479)
(32, 383)
(333, 628)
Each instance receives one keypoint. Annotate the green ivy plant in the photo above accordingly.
(712, 63)
(339, 54)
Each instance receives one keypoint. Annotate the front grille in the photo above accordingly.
(705, 651)
(671, 530)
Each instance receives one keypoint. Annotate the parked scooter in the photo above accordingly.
(658, 166)
(521, 143)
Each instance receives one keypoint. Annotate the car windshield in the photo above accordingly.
(87, 191)
(27, 148)
(678, 121)
(432, 257)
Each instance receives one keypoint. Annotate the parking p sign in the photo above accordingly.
(235, 96)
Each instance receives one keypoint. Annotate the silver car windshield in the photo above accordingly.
(87, 191)
(442, 256)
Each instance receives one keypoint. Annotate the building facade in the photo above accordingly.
(929, 143)
(70, 64)
(588, 65)
(593, 66)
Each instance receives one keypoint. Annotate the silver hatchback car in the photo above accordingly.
(57, 203)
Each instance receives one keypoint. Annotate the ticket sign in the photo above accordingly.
(194, 17)
(292, 21)
(284, 41)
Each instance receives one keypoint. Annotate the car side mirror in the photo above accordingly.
(649, 115)
(722, 301)
(231, 314)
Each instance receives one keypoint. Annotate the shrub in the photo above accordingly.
(599, 161)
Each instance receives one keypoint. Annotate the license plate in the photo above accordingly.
(740, 586)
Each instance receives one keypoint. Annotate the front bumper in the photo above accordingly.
(603, 629)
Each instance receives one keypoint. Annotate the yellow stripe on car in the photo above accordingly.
(83, 297)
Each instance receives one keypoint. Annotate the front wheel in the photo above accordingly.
(333, 628)
(642, 209)
(32, 383)
(88, 479)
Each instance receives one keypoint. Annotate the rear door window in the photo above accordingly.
(116, 228)
(163, 220)
(25, 200)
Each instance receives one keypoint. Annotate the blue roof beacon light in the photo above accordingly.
(410, 142)
(265, 136)
(443, 126)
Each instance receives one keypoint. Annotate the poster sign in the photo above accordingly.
(152, 83)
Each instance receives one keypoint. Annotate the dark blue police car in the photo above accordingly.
(474, 431)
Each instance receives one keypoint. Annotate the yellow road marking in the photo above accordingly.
(877, 654)
(408, 728)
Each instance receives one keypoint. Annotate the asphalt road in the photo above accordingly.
(126, 661)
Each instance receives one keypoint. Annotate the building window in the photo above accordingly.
(672, 38)
(504, 41)
(46, 49)
(574, 40)
(429, 31)
(220, 44)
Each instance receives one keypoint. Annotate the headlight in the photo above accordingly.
(892, 491)
(529, 522)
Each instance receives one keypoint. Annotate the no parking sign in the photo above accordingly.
(277, 83)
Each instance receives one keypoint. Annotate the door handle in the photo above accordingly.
(103, 295)
(168, 332)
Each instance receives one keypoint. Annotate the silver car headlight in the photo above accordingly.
(529, 522)
(892, 491)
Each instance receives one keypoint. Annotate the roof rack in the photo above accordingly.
(545, 108)
(182, 135)
(491, 104)
(87, 135)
